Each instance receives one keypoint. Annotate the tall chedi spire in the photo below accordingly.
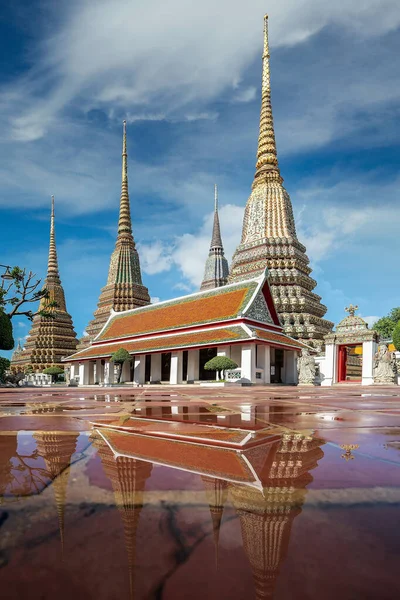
(124, 289)
(216, 270)
(50, 338)
(269, 236)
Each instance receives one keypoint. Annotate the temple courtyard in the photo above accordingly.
(189, 491)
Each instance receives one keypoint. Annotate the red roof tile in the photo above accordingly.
(216, 305)
(280, 338)
(183, 340)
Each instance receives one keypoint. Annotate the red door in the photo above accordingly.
(342, 358)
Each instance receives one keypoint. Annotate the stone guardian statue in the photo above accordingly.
(306, 368)
(385, 368)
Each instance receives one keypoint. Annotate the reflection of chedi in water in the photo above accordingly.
(56, 449)
(128, 478)
(266, 517)
(266, 513)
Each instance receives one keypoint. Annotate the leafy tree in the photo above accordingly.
(4, 365)
(6, 332)
(119, 357)
(15, 294)
(220, 364)
(396, 336)
(386, 325)
(53, 371)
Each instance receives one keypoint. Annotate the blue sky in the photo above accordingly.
(187, 79)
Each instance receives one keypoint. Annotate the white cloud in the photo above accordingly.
(246, 94)
(155, 299)
(21, 324)
(189, 251)
(117, 53)
(155, 258)
(370, 320)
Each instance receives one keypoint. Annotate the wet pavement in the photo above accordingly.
(201, 493)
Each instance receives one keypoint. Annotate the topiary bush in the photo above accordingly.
(396, 336)
(53, 371)
(6, 332)
(119, 357)
(220, 364)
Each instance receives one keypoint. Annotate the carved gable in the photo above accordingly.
(259, 310)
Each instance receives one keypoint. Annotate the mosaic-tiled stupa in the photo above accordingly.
(216, 271)
(124, 289)
(50, 338)
(269, 237)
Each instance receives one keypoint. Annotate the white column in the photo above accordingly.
(99, 372)
(330, 365)
(73, 372)
(193, 365)
(108, 373)
(91, 373)
(81, 374)
(248, 363)
(155, 368)
(139, 369)
(290, 376)
(126, 371)
(267, 365)
(369, 350)
(176, 368)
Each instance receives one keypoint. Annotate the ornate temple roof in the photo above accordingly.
(216, 271)
(218, 316)
(351, 329)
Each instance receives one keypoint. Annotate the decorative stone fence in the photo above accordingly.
(39, 379)
(233, 375)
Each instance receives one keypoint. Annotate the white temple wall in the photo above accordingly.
(236, 353)
(289, 375)
(329, 376)
(155, 368)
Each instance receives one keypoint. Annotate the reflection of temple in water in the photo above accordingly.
(128, 478)
(266, 517)
(266, 512)
(57, 448)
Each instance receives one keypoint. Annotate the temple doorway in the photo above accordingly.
(350, 363)
(206, 354)
(276, 365)
(165, 366)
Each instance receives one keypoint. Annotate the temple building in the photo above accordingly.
(171, 341)
(269, 237)
(50, 338)
(216, 271)
(124, 289)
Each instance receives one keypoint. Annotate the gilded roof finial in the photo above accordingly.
(52, 265)
(267, 158)
(124, 223)
(351, 309)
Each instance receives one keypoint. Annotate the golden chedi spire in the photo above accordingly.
(124, 289)
(50, 338)
(269, 237)
(267, 156)
(57, 448)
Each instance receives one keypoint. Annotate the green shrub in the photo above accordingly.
(4, 365)
(220, 364)
(396, 336)
(53, 371)
(119, 357)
